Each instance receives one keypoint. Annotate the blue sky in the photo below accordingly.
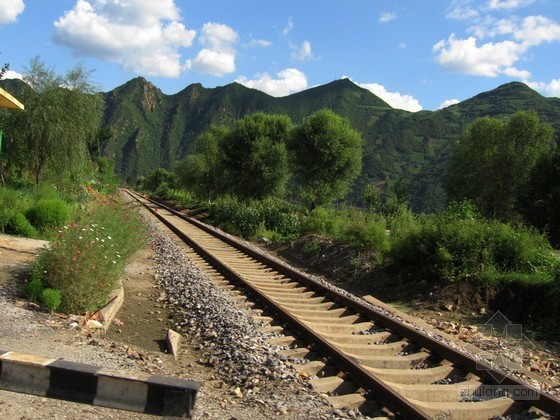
(414, 54)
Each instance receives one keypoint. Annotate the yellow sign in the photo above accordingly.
(8, 101)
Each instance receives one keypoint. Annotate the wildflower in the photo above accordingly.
(114, 262)
(78, 252)
(93, 267)
(74, 258)
(108, 237)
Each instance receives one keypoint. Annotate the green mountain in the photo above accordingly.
(149, 129)
(145, 129)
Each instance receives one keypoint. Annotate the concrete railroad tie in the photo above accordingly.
(140, 392)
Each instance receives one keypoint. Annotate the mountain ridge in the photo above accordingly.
(148, 129)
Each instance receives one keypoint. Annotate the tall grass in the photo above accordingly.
(89, 254)
(249, 218)
(470, 248)
(12, 202)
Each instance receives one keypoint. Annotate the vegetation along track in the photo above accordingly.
(360, 355)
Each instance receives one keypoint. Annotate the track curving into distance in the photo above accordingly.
(361, 355)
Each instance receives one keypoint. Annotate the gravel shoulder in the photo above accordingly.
(242, 375)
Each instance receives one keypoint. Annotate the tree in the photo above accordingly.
(202, 172)
(157, 177)
(492, 161)
(51, 136)
(540, 199)
(255, 159)
(326, 155)
(4, 70)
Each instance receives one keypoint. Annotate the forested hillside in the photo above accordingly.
(144, 129)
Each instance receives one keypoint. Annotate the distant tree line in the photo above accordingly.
(262, 155)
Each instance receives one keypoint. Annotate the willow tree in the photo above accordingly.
(62, 115)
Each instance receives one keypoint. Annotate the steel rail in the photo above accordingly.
(391, 399)
(460, 358)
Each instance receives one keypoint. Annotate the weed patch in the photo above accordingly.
(88, 256)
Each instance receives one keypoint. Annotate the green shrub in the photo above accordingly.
(246, 218)
(163, 191)
(366, 234)
(312, 248)
(89, 255)
(11, 203)
(35, 290)
(52, 299)
(466, 248)
(323, 221)
(406, 231)
(263, 233)
(46, 191)
(19, 225)
(48, 214)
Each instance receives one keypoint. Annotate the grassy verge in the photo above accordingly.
(89, 255)
(454, 246)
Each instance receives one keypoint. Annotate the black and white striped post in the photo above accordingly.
(88, 384)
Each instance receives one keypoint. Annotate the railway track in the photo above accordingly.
(361, 356)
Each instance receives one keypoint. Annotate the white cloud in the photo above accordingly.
(448, 102)
(465, 56)
(508, 4)
(493, 58)
(395, 99)
(259, 43)
(547, 89)
(218, 58)
(143, 37)
(10, 74)
(402, 45)
(302, 52)
(218, 36)
(216, 63)
(387, 17)
(288, 81)
(461, 10)
(10, 10)
(289, 26)
(517, 74)
(534, 30)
